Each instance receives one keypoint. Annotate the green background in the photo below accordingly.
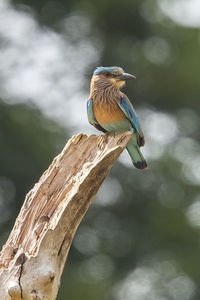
(140, 239)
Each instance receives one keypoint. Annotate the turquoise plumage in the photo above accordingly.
(109, 110)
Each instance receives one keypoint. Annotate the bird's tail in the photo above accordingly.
(135, 153)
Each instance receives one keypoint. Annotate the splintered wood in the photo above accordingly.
(33, 258)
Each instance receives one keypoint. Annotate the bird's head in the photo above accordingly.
(114, 75)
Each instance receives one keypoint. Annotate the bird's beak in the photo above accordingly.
(126, 76)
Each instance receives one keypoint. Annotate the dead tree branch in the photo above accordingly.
(33, 258)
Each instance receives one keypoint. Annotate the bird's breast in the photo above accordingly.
(107, 112)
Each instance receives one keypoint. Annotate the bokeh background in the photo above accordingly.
(140, 239)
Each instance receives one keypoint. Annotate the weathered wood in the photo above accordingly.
(33, 258)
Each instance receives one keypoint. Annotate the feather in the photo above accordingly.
(130, 113)
(91, 118)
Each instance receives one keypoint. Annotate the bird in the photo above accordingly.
(110, 111)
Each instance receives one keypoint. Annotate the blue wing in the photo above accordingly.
(91, 117)
(130, 113)
(90, 113)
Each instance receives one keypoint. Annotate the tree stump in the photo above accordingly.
(33, 258)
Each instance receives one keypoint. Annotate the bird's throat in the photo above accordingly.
(104, 89)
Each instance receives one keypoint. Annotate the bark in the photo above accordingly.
(33, 258)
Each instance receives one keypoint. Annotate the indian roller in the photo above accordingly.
(110, 110)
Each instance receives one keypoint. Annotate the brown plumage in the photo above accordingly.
(105, 96)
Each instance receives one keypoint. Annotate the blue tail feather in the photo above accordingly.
(135, 153)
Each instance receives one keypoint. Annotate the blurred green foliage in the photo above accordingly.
(141, 237)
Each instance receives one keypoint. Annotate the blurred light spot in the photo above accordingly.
(109, 193)
(191, 172)
(185, 149)
(193, 213)
(173, 281)
(167, 269)
(170, 194)
(77, 26)
(86, 240)
(153, 150)
(41, 67)
(11, 19)
(188, 121)
(160, 127)
(125, 159)
(97, 268)
(162, 281)
(137, 285)
(150, 12)
(181, 287)
(149, 183)
(183, 12)
(110, 231)
(157, 50)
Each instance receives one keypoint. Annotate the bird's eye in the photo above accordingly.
(107, 74)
